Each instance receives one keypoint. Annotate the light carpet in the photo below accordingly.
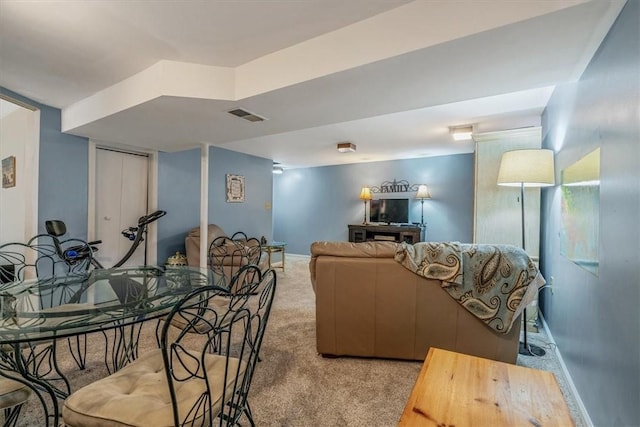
(293, 385)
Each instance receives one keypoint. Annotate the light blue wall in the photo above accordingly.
(63, 186)
(63, 172)
(179, 196)
(595, 320)
(252, 216)
(312, 204)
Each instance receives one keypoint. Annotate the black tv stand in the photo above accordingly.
(389, 233)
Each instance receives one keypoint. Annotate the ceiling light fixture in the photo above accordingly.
(461, 133)
(346, 147)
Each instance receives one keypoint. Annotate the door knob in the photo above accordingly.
(107, 218)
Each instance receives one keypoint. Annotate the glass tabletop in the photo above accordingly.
(75, 303)
(274, 245)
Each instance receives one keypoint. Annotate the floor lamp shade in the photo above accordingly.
(531, 168)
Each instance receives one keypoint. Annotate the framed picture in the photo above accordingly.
(235, 188)
(9, 172)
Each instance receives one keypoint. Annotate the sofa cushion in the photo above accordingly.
(355, 250)
(213, 231)
(192, 242)
(12, 393)
(138, 394)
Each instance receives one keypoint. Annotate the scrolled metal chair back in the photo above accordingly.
(43, 256)
(252, 244)
(227, 255)
(222, 306)
(40, 259)
(224, 363)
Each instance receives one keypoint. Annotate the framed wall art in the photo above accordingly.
(9, 172)
(235, 188)
(580, 212)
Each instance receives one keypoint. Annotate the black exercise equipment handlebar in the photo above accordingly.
(136, 234)
(147, 219)
(71, 255)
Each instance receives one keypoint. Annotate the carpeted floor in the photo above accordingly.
(294, 386)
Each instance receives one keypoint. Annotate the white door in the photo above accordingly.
(121, 198)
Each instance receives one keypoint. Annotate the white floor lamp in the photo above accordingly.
(527, 168)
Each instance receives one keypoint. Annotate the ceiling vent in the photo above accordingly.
(246, 115)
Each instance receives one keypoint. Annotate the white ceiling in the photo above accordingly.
(389, 76)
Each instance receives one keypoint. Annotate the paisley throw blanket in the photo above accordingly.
(494, 282)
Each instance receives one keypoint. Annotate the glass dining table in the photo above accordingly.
(36, 313)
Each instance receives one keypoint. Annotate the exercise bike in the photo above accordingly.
(124, 287)
(76, 254)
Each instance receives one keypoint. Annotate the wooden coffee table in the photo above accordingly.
(455, 389)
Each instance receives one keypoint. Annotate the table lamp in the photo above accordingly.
(527, 168)
(365, 194)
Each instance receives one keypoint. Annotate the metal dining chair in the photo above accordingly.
(199, 375)
(227, 255)
(41, 258)
(13, 395)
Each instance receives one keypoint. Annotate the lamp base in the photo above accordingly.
(531, 350)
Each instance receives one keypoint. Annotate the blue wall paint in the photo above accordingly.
(179, 195)
(63, 172)
(251, 216)
(312, 204)
(63, 186)
(595, 319)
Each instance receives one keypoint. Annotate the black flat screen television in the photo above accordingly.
(390, 211)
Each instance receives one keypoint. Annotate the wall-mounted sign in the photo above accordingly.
(235, 188)
(395, 186)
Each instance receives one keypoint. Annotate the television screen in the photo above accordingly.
(390, 211)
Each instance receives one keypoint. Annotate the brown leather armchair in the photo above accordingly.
(192, 242)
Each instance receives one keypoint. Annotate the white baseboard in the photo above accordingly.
(565, 371)
(298, 256)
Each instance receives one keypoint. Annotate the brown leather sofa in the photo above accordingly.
(369, 305)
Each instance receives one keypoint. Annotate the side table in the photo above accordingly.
(463, 390)
(272, 248)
